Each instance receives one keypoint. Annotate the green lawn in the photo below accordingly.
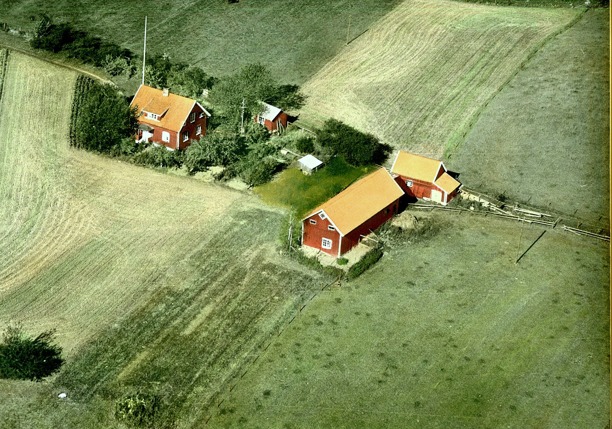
(446, 332)
(545, 136)
(301, 193)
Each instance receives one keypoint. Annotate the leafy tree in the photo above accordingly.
(190, 81)
(218, 147)
(253, 84)
(22, 357)
(104, 119)
(286, 97)
(356, 147)
(157, 69)
(305, 144)
(159, 156)
(256, 171)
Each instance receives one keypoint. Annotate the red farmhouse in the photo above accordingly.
(424, 178)
(339, 224)
(273, 118)
(168, 119)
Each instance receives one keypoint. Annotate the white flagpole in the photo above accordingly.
(144, 52)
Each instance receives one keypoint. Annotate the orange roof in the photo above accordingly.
(173, 109)
(447, 183)
(416, 166)
(360, 201)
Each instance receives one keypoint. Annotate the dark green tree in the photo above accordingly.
(26, 358)
(218, 147)
(356, 147)
(104, 119)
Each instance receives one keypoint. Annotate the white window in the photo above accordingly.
(199, 130)
(313, 222)
(331, 227)
(165, 136)
(409, 183)
(326, 243)
(201, 114)
(153, 116)
(192, 117)
(261, 120)
(322, 215)
(185, 136)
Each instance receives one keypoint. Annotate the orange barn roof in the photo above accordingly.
(416, 166)
(360, 201)
(173, 109)
(447, 183)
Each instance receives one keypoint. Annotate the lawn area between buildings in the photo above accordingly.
(445, 332)
(301, 193)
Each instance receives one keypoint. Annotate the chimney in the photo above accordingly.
(165, 92)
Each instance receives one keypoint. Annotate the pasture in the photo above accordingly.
(419, 77)
(545, 136)
(445, 332)
(294, 39)
(153, 282)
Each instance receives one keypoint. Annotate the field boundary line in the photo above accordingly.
(59, 64)
(450, 145)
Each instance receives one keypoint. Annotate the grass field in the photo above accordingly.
(446, 332)
(152, 281)
(545, 137)
(294, 39)
(418, 78)
(300, 193)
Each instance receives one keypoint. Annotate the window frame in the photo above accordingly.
(326, 243)
(409, 183)
(185, 135)
(312, 221)
(198, 130)
(192, 117)
(331, 228)
(165, 136)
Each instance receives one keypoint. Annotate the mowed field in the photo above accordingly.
(294, 39)
(418, 78)
(153, 282)
(446, 332)
(545, 137)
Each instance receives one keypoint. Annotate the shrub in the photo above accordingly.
(366, 262)
(354, 146)
(159, 156)
(22, 357)
(256, 171)
(218, 147)
(342, 261)
(305, 144)
(138, 409)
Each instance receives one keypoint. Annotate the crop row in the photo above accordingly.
(83, 84)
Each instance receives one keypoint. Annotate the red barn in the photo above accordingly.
(339, 224)
(424, 178)
(168, 119)
(273, 118)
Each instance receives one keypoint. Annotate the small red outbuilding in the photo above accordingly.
(340, 223)
(273, 118)
(425, 178)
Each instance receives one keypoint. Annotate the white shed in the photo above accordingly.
(309, 163)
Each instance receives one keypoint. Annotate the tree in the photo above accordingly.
(218, 147)
(104, 119)
(253, 84)
(356, 147)
(26, 358)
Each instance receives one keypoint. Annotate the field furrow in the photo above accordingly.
(419, 77)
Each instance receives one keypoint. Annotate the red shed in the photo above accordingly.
(273, 118)
(425, 178)
(168, 119)
(340, 223)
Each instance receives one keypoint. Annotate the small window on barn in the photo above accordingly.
(185, 136)
(409, 183)
(322, 215)
(199, 130)
(261, 120)
(331, 227)
(192, 117)
(165, 136)
(313, 222)
(201, 114)
(326, 243)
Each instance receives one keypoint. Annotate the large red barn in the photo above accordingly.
(340, 223)
(424, 178)
(168, 119)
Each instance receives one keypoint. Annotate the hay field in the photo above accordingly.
(152, 281)
(551, 127)
(419, 76)
(446, 332)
